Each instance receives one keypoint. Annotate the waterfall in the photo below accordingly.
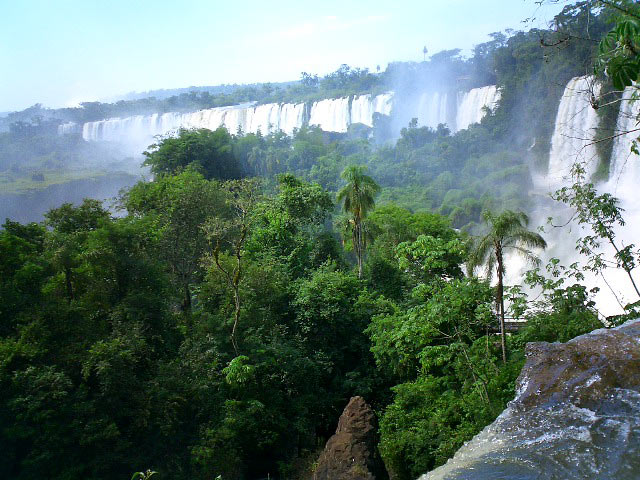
(236, 119)
(383, 103)
(68, 128)
(574, 133)
(291, 117)
(471, 105)
(456, 110)
(623, 183)
(362, 110)
(363, 107)
(575, 127)
(331, 115)
(433, 109)
(624, 167)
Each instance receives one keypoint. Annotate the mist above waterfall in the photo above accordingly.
(573, 143)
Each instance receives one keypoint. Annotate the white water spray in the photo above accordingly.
(472, 105)
(333, 115)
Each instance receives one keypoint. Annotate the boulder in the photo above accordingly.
(351, 453)
(576, 415)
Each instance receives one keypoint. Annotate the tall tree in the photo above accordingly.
(358, 198)
(209, 152)
(228, 238)
(70, 226)
(507, 232)
(179, 206)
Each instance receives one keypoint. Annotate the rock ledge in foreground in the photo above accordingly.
(351, 453)
(576, 415)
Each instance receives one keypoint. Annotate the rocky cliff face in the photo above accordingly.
(351, 453)
(576, 415)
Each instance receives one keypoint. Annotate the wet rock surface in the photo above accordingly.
(576, 415)
(351, 454)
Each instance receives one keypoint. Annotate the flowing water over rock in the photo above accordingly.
(572, 141)
(576, 415)
(139, 129)
(69, 128)
(456, 110)
(434, 109)
(624, 169)
(332, 115)
(575, 128)
(135, 133)
(471, 105)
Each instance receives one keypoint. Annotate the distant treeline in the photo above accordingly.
(343, 82)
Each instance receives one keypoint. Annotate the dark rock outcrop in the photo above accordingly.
(351, 453)
(576, 415)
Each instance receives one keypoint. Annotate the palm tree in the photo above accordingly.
(507, 232)
(358, 198)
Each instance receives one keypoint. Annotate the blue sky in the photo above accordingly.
(61, 52)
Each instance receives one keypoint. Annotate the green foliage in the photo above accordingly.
(289, 230)
(177, 206)
(209, 152)
(238, 371)
(507, 232)
(357, 198)
(430, 257)
(619, 50)
(420, 339)
(143, 475)
(453, 384)
(602, 213)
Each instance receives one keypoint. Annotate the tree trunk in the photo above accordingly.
(357, 244)
(67, 278)
(500, 305)
(359, 251)
(186, 301)
(236, 318)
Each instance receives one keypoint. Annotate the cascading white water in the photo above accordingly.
(624, 169)
(572, 141)
(471, 105)
(362, 109)
(623, 183)
(291, 117)
(334, 115)
(383, 104)
(574, 132)
(433, 109)
(331, 115)
(68, 128)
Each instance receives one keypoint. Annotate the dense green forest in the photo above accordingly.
(216, 322)
(121, 352)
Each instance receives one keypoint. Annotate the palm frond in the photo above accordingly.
(506, 230)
